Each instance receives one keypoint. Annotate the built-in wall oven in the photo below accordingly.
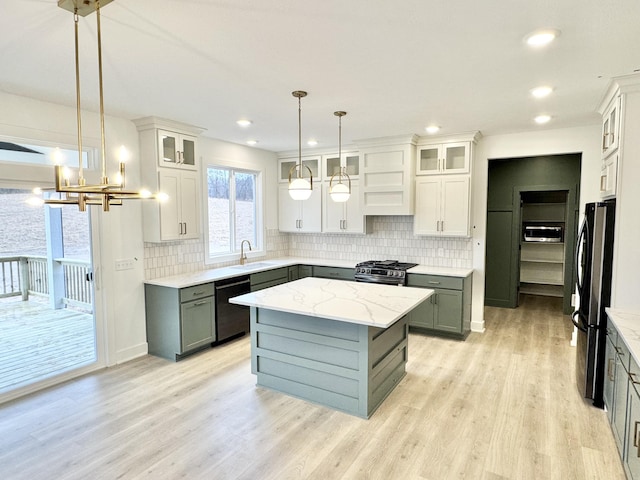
(231, 320)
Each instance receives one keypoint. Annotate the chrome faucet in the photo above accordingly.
(243, 256)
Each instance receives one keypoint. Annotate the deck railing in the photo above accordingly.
(28, 275)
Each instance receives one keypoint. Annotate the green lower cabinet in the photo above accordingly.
(422, 315)
(196, 326)
(334, 272)
(633, 434)
(448, 310)
(180, 321)
(270, 278)
(305, 271)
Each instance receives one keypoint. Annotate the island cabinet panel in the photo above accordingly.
(345, 366)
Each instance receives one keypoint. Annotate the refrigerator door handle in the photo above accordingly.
(575, 314)
(584, 233)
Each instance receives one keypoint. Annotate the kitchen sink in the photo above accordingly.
(251, 266)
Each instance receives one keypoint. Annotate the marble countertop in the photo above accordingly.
(628, 325)
(354, 302)
(213, 274)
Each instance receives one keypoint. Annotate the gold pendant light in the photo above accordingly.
(340, 192)
(299, 187)
(105, 193)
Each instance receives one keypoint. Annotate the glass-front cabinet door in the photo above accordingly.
(429, 160)
(286, 164)
(176, 150)
(350, 163)
(444, 158)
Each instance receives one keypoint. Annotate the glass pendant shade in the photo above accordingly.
(300, 189)
(340, 193)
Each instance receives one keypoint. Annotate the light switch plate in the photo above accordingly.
(124, 264)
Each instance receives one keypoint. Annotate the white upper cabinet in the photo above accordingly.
(438, 159)
(611, 127)
(169, 161)
(179, 217)
(286, 164)
(442, 206)
(302, 216)
(343, 217)
(349, 163)
(387, 175)
(176, 150)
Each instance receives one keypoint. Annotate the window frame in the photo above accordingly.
(257, 250)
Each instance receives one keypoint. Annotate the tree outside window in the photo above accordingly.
(232, 209)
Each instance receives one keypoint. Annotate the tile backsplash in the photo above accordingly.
(392, 238)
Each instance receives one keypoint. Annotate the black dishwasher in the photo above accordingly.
(231, 320)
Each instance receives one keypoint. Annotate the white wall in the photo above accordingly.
(119, 295)
(583, 140)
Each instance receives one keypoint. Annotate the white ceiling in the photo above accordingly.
(394, 66)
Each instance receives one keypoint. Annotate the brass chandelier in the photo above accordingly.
(106, 193)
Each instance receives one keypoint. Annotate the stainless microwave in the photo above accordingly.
(544, 233)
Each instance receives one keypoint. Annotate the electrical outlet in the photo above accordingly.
(125, 264)
(573, 300)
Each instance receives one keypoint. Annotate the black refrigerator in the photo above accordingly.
(594, 259)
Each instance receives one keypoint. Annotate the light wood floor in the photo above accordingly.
(37, 342)
(501, 405)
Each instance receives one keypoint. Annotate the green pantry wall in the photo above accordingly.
(507, 178)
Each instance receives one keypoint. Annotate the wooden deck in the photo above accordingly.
(37, 342)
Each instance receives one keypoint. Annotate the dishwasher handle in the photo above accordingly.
(228, 285)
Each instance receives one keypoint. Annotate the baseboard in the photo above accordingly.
(477, 326)
(130, 353)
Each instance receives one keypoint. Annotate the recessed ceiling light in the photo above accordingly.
(540, 119)
(432, 129)
(244, 123)
(312, 142)
(539, 38)
(541, 92)
(252, 142)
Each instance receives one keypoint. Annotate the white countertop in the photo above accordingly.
(213, 274)
(353, 302)
(628, 325)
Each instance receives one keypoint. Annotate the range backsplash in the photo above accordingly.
(392, 238)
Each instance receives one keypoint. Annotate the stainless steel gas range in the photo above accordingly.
(389, 272)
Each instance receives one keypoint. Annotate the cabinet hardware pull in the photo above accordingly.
(635, 433)
(632, 377)
(203, 302)
(185, 228)
(198, 293)
(433, 282)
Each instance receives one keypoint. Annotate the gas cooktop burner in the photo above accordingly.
(383, 271)
(390, 264)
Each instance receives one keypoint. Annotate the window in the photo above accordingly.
(233, 209)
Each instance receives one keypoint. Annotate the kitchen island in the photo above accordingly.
(337, 343)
